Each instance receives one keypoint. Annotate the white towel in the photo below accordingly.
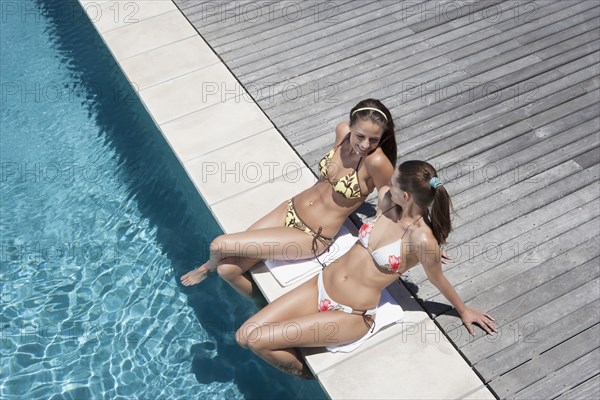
(388, 312)
(288, 272)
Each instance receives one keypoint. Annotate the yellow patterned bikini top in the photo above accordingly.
(348, 186)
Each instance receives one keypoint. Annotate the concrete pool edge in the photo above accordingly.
(169, 64)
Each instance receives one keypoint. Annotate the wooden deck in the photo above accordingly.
(503, 98)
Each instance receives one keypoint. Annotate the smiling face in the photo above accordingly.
(365, 137)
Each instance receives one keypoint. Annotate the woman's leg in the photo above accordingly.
(297, 302)
(277, 344)
(236, 253)
(273, 219)
(293, 321)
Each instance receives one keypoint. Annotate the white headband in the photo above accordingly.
(373, 109)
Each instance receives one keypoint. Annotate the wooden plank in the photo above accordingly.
(386, 50)
(481, 156)
(351, 29)
(491, 85)
(215, 20)
(419, 81)
(545, 43)
(349, 34)
(507, 309)
(476, 256)
(592, 85)
(528, 373)
(211, 16)
(458, 100)
(505, 37)
(510, 194)
(536, 227)
(465, 25)
(589, 159)
(283, 18)
(523, 329)
(482, 140)
(532, 15)
(304, 19)
(525, 157)
(550, 101)
(466, 185)
(463, 34)
(426, 9)
(470, 228)
(580, 123)
(589, 389)
(333, 58)
(524, 258)
(337, 114)
(419, 64)
(441, 14)
(469, 44)
(559, 48)
(457, 174)
(429, 132)
(581, 14)
(412, 71)
(432, 106)
(185, 5)
(563, 379)
(530, 346)
(384, 70)
(475, 139)
(546, 288)
(519, 166)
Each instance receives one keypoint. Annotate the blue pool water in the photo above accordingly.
(98, 222)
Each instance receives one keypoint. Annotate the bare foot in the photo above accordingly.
(196, 276)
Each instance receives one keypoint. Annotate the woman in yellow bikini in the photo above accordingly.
(338, 306)
(361, 160)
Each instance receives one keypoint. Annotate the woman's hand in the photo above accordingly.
(484, 320)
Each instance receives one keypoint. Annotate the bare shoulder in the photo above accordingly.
(429, 248)
(379, 168)
(378, 160)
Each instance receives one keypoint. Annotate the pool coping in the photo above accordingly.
(168, 64)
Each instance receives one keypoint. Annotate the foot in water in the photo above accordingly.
(196, 276)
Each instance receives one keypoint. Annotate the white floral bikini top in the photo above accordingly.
(387, 257)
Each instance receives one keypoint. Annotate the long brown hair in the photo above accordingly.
(414, 177)
(388, 138)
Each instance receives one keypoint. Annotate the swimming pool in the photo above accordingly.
(98, 221)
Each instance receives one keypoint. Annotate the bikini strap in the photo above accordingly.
(358, 165)
(412, 223)
(383, 212)
(314, 246)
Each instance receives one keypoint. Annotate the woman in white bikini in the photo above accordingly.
(340, 303)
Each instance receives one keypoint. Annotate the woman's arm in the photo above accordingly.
(431, 260)
(341, 130)
(383, 201)
(380, 169)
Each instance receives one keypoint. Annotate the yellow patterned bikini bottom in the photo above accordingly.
(293, 220)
